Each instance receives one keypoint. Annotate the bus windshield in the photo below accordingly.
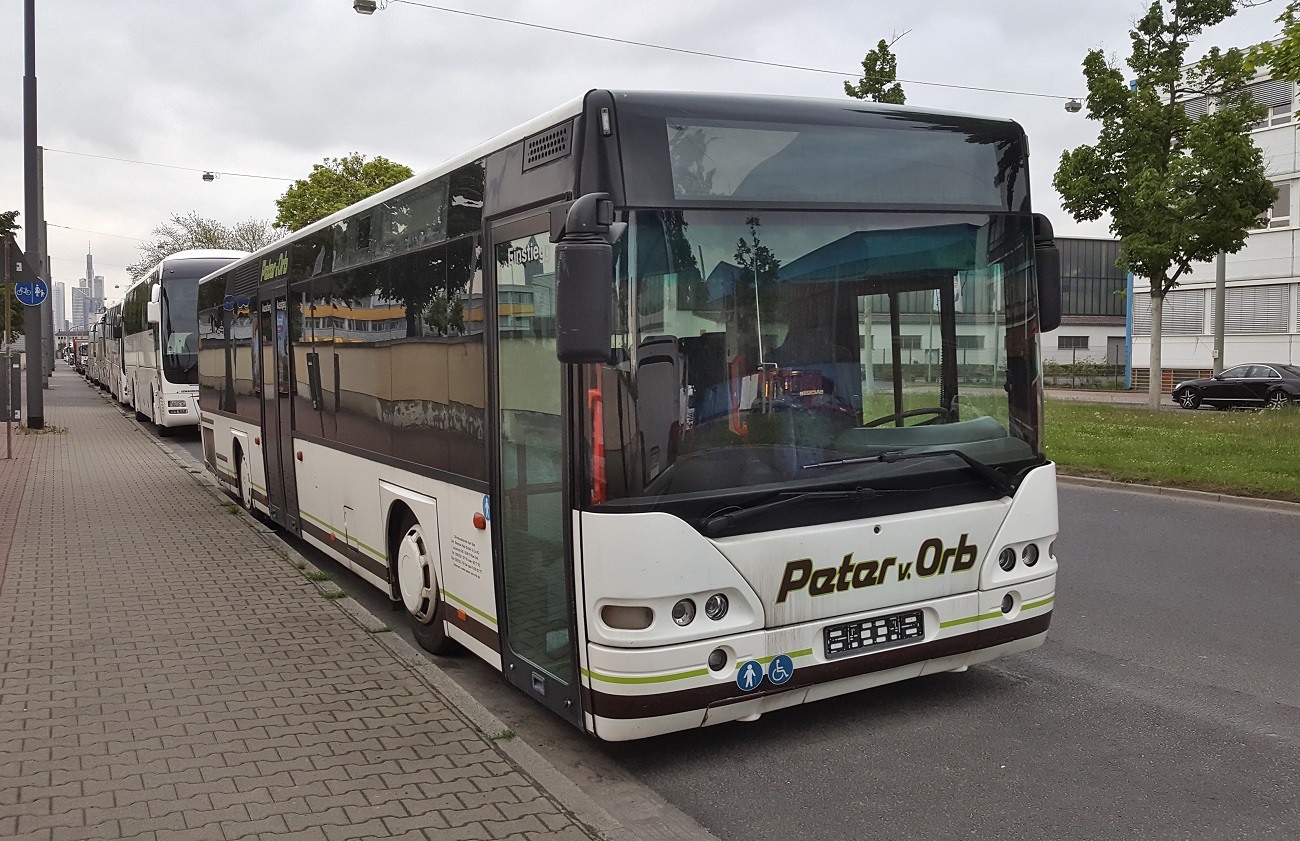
(770, 350)
(178, 339)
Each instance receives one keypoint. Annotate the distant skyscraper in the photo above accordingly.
(97, 289)
(79, 297)
(57, 306)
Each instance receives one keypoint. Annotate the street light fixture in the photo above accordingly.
(1074, 106)
(365, 7)
(209, 176)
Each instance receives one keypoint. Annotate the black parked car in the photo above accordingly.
(1255, 385)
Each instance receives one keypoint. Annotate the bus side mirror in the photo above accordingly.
(1047, 262)
(584, 278)
(153, 309)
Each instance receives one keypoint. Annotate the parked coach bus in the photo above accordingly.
(676, 408)
(159, 342)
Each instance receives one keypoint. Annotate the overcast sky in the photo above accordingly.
(271, 87)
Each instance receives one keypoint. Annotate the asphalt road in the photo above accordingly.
(1165, 705)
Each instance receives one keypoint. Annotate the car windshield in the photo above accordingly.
(757, 347)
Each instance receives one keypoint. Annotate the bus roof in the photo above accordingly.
(800, 107)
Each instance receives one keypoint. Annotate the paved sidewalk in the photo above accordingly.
(165, 673)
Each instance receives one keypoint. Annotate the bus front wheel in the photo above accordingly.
(417, 583)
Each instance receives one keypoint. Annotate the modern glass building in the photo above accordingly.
(1092, 304)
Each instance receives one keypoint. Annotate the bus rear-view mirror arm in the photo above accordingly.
(584, 278)
(1047, 262)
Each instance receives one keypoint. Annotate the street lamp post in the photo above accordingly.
(33, 319)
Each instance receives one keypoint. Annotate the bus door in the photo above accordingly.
(277, 407)
(530, 520)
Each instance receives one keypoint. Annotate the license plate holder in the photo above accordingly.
(864, 635)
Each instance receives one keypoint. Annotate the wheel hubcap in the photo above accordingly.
(415, 575)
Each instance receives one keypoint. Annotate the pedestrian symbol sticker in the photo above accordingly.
(780, 670)
(749, 676)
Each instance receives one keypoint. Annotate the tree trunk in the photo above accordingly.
(1153, 386)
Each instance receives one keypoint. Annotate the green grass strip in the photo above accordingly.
(1242, 453)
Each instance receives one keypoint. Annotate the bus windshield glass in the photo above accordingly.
(178, 339)
(781, 350)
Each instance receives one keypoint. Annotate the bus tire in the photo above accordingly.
(242, 481)
(417, 586)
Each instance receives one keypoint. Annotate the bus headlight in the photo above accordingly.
(684, 612)
(1030, 556)
(1007, 559)
(716, 607)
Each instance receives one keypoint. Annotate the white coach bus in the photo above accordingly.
(628, 401)
(159, 362)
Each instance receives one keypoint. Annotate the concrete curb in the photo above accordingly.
(1183, 493)
(584, 809)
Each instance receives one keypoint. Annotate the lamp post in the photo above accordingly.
(33, 320)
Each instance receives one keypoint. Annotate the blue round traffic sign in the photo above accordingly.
(31, 292)
(749, 675)
(780, 670)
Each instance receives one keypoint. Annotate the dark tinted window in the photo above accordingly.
(698, 149)
(400, 360)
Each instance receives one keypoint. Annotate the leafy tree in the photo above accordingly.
(879, 71)
(1281, 58)
(9, 224)
(1178, 190)
(193, 231)
(333, 185)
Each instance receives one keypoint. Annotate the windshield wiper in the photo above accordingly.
(997, 480)
(718, 523)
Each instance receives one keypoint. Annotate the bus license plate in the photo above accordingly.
(865, 634)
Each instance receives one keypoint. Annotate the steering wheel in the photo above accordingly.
(939, 413)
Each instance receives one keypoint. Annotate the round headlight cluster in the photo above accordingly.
(715, 607)
(1030, 555)
(1007, 559)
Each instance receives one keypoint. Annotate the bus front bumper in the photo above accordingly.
(635, 693)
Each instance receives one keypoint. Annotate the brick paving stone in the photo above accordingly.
(165, 673)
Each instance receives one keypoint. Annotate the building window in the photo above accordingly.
(909, 342)
(1071, 342)
(1277, 97)
(1279, 216)
(970, 342)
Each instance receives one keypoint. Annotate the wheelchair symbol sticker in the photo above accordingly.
(780, 670)
(749, 675)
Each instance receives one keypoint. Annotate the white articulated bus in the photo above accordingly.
(676, 408)
(159, 368)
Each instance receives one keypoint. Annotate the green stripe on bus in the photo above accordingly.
(332, 530)
(636, 680)
(469, 606)
(969, 619)
(792, 655)
(995, 614)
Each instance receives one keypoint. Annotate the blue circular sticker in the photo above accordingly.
(749, 675)
(780, 670)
